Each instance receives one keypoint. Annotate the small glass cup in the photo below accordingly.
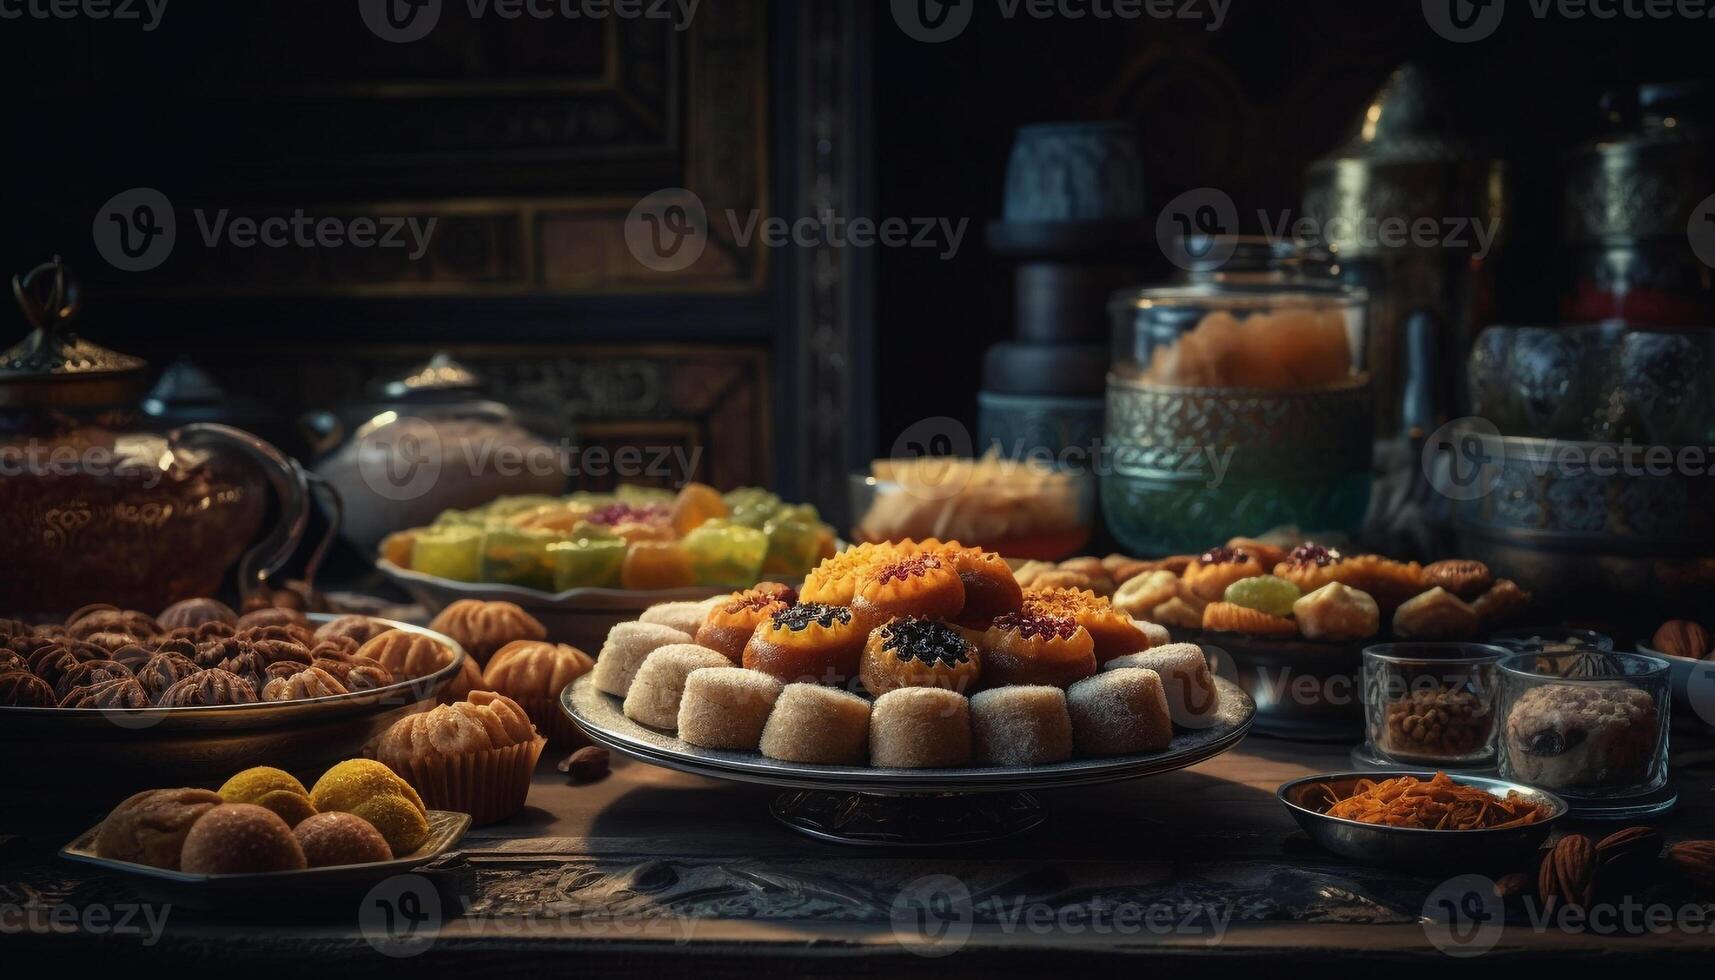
(1432, 702)
(1585, 724)
(1551, 639)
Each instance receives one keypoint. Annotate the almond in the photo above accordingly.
(1631, 844)
(1682, 638)
(1695, 859)
(587, 764)
(1517, 883)
(1568, 874)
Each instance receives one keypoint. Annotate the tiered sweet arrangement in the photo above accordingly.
(636, 538)
(916, 626)
(1313, 592)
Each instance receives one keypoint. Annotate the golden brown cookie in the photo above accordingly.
(1435, 615)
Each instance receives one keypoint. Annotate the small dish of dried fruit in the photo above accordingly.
(1426, 819)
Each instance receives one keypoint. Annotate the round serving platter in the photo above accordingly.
(71, 752)
(901, 807)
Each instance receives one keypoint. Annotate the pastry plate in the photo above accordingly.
(241, 892)
(130, 747)
(1478, 850)
(241, 717)
(599, 716)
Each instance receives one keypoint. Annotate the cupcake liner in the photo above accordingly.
(551, 722)
(489, 785)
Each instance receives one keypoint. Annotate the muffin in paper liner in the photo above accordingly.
(551, 721)
(490, 785)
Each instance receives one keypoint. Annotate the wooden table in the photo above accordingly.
(651, 872)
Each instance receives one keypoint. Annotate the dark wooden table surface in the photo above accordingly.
(651, 872)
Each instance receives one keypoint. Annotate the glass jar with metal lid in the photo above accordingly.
(1237, 401)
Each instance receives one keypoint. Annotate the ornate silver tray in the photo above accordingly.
(901, 807)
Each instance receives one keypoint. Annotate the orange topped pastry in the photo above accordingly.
(835, 580)
(923, 585)
(811, 641)
(1217, 568)
(731, 622)
(1114, 633)
(919, 653)
(1032, 648)
(1311, 566)
(1229, 617)
(990, 588)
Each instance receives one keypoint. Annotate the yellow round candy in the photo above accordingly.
(350, 783)
(252, 784)
(294, 808)
(400, 821)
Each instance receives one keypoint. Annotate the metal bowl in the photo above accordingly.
(1305, 690)
(1693, 690)
(1429, 850)
(68, 755)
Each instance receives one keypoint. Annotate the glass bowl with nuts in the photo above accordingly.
(1431, 702)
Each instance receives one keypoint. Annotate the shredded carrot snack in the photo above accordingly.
(1439, 804)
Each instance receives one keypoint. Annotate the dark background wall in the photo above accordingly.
(544, 135)
(1244, 109)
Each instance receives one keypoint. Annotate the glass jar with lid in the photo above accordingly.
(1237, 400)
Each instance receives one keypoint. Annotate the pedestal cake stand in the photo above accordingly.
(901, 807)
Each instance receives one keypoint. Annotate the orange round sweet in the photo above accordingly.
(335, 838)
(1217, 568)
(1229, 617)
(729, 625)
(1114, 633)
(919, 586)
(990, 588)
(1030, 648)
(919, 653)
(811, 641)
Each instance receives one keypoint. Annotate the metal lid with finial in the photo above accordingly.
(53, 366)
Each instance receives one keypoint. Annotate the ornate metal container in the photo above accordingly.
(1235, 407)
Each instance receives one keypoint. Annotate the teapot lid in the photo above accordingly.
(53, 365)
(440, 374)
